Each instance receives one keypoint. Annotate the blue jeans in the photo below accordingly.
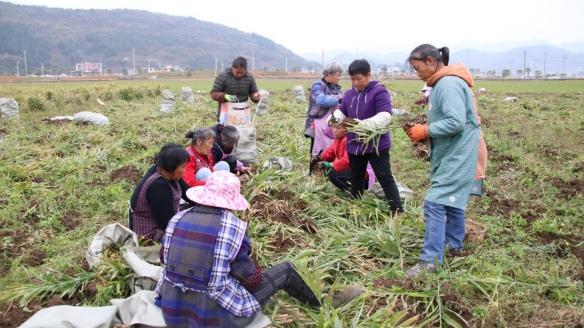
(444, 225)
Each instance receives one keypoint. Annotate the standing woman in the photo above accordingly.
(325, 97)
(453, 131)
(156, 198)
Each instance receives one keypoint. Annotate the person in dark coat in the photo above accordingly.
(234, 85)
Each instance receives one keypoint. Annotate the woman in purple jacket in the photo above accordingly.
(368, 103)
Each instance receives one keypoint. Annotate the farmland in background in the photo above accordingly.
(60, 183)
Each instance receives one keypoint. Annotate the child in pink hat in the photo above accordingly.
(209, 270)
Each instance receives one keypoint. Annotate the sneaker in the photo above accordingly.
(417, 270)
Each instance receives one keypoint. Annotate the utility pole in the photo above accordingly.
(524, 67)
(216, 66)
(222, 68)
(252, 61)
(17, 68)
(148, 66)
(134, 60)
(544, 62)
(42, 69)
(25, 66)
(286, 64)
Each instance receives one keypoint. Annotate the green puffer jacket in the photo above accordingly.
(454, 135)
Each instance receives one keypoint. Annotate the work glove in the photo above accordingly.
(326, 167)
(230, 98)
(379, 121)
(419, 132)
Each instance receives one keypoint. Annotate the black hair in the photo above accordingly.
(359, 66)
(229, 136)
(239, 62)
(424, 51)
(200, 134)
(170, 157)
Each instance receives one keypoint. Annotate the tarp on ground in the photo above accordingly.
(136, 310)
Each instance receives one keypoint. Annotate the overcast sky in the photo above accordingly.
(306, 26)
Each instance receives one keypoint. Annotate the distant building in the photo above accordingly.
(88, 69)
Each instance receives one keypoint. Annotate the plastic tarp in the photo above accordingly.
(263, 106)
(298, 92)
(90, 118)
(136, 310)
(279, 163)
(8, 107)
(168, 102)
(404, 192)
(246, 150)
(186, 95)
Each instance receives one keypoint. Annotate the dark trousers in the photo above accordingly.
(382, 168)
(283, 276)
(342, 180)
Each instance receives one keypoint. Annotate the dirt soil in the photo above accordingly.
(568, 189)
(71, 220)
(284, 207)
(14, 316)
(56, 122)
(18, 245)
(127, 173)
(566, 244)
(282, 244)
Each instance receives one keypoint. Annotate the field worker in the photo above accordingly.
(325, 97)
(368, 103)
(335, 160)
(156, 198)
(210, 278)
(453, 132)
(201, 163)
(234, 85)
(225, 143)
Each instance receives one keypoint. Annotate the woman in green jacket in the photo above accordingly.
(453, 132)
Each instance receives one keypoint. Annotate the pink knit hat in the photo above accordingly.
(222, 189)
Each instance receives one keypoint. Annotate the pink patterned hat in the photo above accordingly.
(222, 189)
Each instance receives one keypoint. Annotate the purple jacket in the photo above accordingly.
(362, 105)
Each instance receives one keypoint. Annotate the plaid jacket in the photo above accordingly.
(199, 246)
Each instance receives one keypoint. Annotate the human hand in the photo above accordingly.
(326, 167)
(245, 170)
(256, 96)
(230, 98)
(418, 132)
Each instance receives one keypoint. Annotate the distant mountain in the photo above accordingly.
(59, 38)
(557, 60)
(542, 58)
